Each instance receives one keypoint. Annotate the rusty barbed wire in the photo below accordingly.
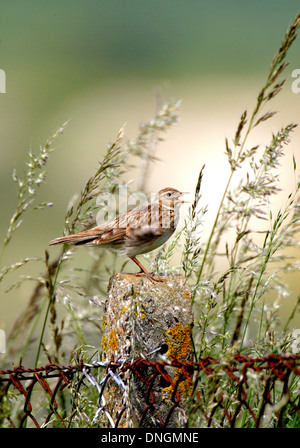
(52, 379)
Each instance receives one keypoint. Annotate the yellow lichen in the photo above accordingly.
(103, 324)
(109, 343)
(113, 342)
(104, 343)
(141, 312)
(179, 343)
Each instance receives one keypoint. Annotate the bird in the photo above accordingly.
(136, 231)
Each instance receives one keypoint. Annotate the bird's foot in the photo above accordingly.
(149, 276)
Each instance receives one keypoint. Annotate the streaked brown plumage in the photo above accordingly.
(137, 231)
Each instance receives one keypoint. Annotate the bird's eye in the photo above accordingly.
(169, 194)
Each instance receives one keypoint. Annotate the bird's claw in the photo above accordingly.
(149, 276)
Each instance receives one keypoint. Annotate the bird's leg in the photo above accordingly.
(144, 271)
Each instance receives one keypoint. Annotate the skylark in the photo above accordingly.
(136, 231)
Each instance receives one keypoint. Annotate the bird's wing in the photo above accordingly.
(113, 235)
(143, 235)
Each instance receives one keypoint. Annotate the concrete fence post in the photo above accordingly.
(152, 321)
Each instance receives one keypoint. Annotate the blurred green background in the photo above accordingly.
(98, 63)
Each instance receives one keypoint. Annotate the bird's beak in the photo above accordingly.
(181, 200)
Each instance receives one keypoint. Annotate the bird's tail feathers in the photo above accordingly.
(73, 239)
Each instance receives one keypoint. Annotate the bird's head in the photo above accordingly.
(170, 196)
